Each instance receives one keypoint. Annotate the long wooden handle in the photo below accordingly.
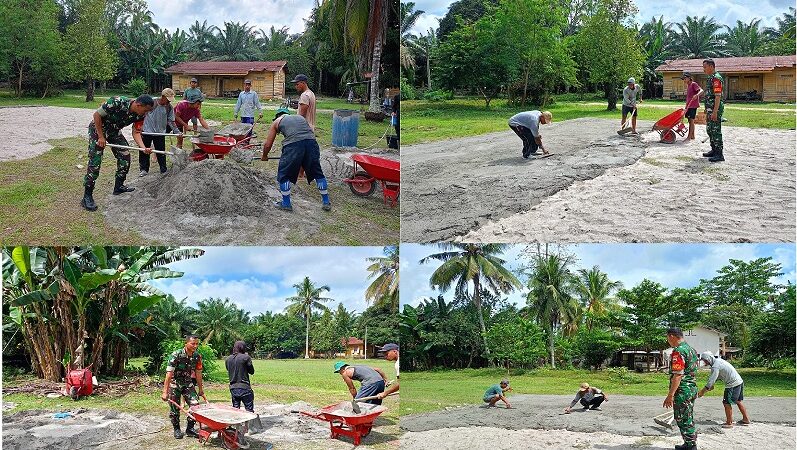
(373, 397)
(127, 147)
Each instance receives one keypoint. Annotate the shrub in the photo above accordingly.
(438, 95)
(136, 87)
(407, 90)
(623, 375)
(209, 361)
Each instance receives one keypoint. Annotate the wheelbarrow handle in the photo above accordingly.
(187, 412)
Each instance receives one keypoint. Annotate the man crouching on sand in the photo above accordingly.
(496, 392)
(299, 150)
(527, 126)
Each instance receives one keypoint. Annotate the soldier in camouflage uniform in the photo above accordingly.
(715, 106)
(183, 366)
(109, 119)
(683, 388)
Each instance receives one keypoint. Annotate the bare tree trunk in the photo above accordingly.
(19, 81)
(525, 86)
(428, 70)
(551, 346)
(478, 302)
(375, 65)
(307, 337)
(611, 97)
(89, 89)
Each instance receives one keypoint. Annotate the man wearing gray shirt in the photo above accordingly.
(630, 93)
(157, 121)
(372, 380)
(527, 126)
(590, 398)
(734, 387)
(247, 103)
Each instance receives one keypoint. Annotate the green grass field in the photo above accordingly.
(423, 121)
(39, 197)
(430, 391)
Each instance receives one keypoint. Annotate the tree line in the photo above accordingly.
(93, 306)
(528, 50)
(46, 43)
(579, 317)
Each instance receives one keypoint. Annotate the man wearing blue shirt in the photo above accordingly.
(247, 103)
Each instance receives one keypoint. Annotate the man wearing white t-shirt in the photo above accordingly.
(306, 100)
(391, 354)
(527, 126)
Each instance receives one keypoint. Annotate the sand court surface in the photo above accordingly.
(625, 422)
(601, 187)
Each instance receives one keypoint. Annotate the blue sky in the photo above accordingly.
(259, 279)
(261, 13)
(672, 265)
(725, 11)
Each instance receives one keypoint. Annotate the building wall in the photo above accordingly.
(775, 86)
(702, 339)
(267, 84)
(779, 85)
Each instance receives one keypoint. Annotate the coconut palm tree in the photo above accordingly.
(385, 271)
(202, 36)
(408, 18)
(551, 290)
(218, 321)
(473, 264)
(697, 38)
(657, 40)
(744, 39)
(236, 42)
(595, 290)
(308, 297)
(425, 44)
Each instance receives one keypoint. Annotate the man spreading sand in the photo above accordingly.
(372, 381)
(590, 398)
(734, 387)
(496, 392)
(527, 126)
(299, 150)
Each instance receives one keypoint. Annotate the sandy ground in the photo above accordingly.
(600, 187)
(25, 130)
(282, 426)
(625, 422)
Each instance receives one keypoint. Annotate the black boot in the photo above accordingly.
(687, 446)
(189, 429)
(88, 199)
(717, 157)
(120, 188)
(711, 153)
(178, 434)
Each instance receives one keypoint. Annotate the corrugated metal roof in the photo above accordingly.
(225, 67)
(738, 64)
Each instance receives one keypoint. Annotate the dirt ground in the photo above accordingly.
(282, 426)
(625, 422)
(601, 187)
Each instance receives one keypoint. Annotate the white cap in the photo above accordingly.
(631, 80)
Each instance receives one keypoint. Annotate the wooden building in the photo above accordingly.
(226, 78)
(766, 78)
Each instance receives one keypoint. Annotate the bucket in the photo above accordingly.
(345, 125)
(392, 141)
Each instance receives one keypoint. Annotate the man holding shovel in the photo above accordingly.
(299, 150)
(391, 354)
(630, 93)
(109, 119)
(683, 389)
(156, 123)
(372, 381)
(527, 126)
(734, 387)
(179, 383)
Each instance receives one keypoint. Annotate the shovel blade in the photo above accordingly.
(355, 407)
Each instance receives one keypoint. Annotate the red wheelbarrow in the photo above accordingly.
(221, 146)
(343, 422)
(229, 422)
(370, 169)
(669, 125)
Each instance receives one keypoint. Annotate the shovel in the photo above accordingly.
(665, 419)
(356, 407)
(127, 147)
(626, 128)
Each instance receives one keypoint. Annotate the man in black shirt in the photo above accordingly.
(239, 367)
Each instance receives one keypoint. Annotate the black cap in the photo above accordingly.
(299, 77)
(686, 74)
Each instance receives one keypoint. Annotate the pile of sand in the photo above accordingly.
(37, 429)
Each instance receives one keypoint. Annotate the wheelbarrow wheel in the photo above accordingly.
(668, 137)
(229, 439)
(362, 184)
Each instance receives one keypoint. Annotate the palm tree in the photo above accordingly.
(697, 38)
(551, 296)
(744, 39)
(595, 289)
(202, 36)
(218, 321)
(477, 264)
(361, 26)
(236, 42)
(307, 298)
(425, 44)
(408, 18)
(657, 40)
(385, 270)
(785, 28)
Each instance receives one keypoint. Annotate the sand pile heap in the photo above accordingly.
(214, 187)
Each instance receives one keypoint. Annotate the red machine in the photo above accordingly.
(229, 422)
(79, 383)
(373, 169)
(355, 426)
(669, 125)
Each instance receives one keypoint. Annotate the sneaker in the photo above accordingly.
(279, 205)
(143, 173)
(595, 408)
(326, 206)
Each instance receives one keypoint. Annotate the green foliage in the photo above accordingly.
(623, 376)
(596, 346)
(326, 337)
(516, 343)
(210, 361)
(647, 307)
(438, 95)
(276, 335)
(90, 55)
(407, 90)
(220, 322)
(773, 332)
(136, 87)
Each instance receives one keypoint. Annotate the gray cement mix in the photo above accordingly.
(461, 184)
(600, 187)
(621, 414)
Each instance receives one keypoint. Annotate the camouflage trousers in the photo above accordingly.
(188, 392)
(95, 158)
(714, 129)
(683, 410)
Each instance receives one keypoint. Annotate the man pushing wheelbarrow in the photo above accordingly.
(179, 383)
